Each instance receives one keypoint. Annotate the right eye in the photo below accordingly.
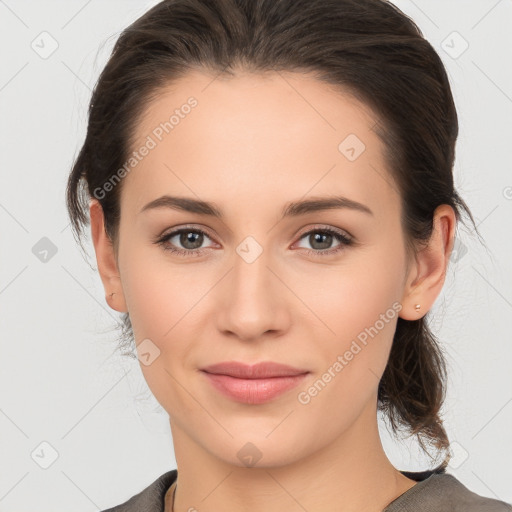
(190, 239)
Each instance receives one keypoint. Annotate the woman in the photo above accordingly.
(271, 199)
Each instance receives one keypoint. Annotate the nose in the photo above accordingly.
(252, 300)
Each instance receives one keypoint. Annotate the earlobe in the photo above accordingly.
(106, 259)
(426, 276)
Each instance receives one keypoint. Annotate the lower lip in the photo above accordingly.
(253, 391)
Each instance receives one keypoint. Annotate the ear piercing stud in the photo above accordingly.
(417, 307)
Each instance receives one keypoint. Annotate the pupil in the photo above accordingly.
(319, 237)
(191, 237)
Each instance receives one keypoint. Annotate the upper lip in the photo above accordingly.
(261, 370)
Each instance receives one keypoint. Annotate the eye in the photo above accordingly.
(191, 239)
(321, 238)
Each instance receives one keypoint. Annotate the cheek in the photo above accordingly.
(352, 296)
(166, 303)
(351, 361)
(157, 293)
(356, 308)
(161, 299)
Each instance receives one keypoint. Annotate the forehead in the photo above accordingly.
(296, 104)
(258, 135)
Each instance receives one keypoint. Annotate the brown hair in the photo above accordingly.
(368, 48)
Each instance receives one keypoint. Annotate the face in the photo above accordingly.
(319, 290)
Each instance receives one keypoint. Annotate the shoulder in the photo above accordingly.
(461, 498)
(150, 499)
(443, 492)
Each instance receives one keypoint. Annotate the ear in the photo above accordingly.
(427, 274)
(106, 259)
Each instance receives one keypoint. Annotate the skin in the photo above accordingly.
(253, 144)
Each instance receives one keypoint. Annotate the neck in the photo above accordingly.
(352, 474)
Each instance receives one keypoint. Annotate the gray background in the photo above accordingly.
(79, 429)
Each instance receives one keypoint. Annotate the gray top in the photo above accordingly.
(435, 491)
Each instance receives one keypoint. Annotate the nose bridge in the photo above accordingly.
(251, 277)
(251, 264)
(252, 303)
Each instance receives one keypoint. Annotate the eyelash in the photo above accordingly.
(344, 240)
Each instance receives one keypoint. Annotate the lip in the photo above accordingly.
(263, 370)
(253, 384)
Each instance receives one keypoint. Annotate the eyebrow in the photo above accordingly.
(292, 209)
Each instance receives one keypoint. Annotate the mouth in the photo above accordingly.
(263, 370)
(253, 384)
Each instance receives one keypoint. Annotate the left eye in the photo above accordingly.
(192, 239)
(322, 238)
